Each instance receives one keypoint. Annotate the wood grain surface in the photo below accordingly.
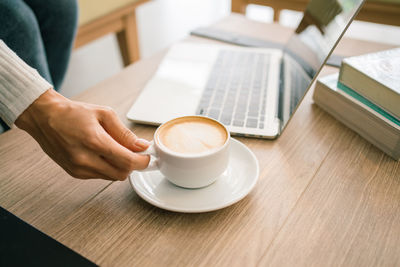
(325, 196)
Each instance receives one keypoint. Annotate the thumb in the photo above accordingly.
(117, 130)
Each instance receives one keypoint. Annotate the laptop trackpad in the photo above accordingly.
(176, 88)
(163, 100)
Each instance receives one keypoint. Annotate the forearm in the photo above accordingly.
(20, 85)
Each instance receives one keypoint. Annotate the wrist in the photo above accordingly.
(31, 117)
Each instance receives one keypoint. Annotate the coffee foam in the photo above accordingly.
(192, 135)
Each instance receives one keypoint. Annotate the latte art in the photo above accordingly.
(192, 135)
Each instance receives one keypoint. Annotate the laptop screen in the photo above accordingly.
(323, 24)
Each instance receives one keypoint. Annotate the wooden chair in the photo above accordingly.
(101, 17)
(378, 11)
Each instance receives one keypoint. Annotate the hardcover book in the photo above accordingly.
(377, 126)
(375, 76)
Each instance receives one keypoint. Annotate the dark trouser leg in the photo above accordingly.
(57, 22)
(19, 29)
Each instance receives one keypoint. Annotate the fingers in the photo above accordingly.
(117, 130)
(101, 166)
(85, 173)
(116, 154)
(122, 157)
(91, 165)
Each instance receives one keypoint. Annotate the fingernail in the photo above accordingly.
(143, 143)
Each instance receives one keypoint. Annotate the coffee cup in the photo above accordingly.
(190, 151)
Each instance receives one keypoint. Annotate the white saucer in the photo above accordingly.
(233, 185)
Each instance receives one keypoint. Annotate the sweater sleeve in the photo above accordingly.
(20, 85)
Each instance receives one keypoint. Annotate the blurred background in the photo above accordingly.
(163, 22)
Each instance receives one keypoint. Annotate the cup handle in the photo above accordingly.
(153, 164)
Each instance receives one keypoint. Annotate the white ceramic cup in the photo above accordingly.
(188, 170)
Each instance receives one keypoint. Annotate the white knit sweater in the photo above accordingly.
(20, 85)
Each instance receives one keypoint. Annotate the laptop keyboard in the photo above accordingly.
(235, 93)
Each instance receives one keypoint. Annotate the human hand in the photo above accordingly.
(87, 141)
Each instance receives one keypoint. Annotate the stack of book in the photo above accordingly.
(365, 96)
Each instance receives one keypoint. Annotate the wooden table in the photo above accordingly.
(325, 195)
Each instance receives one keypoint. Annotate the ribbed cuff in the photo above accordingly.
(20, 85)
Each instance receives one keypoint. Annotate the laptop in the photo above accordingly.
(252, 91)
